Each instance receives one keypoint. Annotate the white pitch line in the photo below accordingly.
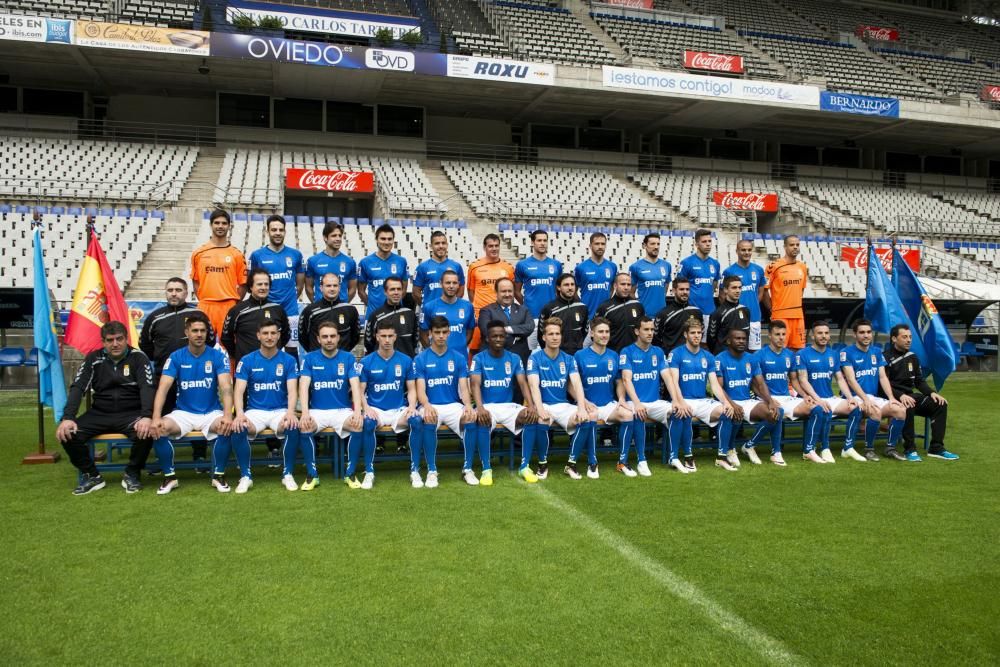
(767, 646)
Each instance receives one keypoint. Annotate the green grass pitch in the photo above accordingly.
(887, 563)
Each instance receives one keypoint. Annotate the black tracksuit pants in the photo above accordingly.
(926, 407)
(92, 423)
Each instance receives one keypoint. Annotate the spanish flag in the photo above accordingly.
(96, 301)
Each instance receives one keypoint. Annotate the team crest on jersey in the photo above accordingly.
(461, 313)
(749, 370)
(663, 272)
(704, 363)
(340, 369)
(831, 362)
(280, 370)
(507, 369)
(635, 313)
(229, 259)
(656, 362)
(399, 371)
(562, 367)
(451, 365)
(531, 364)
(341, 318)
(288, 262)
(577, 316)
(788, 364)
(611, 365)
(874, 360)
(552, 269)
(607, 273)
(208, 366)
(267, 314)
(125, 371)
(343, 267)
(402, 319)
(909, 366)
(392, 268)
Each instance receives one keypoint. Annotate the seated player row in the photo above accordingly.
(437, 388)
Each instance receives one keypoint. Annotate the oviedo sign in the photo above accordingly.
(330, 181)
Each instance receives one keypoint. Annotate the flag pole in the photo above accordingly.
(41, 456)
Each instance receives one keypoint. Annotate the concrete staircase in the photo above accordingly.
(581, 10)
(170, 251)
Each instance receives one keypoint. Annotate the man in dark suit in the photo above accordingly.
(517, 318)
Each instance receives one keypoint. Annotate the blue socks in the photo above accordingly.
(777, 428)
(585, 435)
(629, 432)
(853, 421)
(165, 453)
(813, 424)
(290, 450)
(895, 430)
(529, 436)
(476, 439)
(726, 431)
(871, 432)
(680, 432)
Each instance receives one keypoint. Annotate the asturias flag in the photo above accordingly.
(51, 384)
(937, 352)
(96, 301)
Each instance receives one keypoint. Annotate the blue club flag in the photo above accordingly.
(882, 304)
(937, 352)
(52, 386)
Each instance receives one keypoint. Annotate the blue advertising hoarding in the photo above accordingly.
(887, 107)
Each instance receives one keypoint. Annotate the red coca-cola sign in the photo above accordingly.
(857, 258)
(330, 181)
(715, 62)
(764, 202)
(631, 4)
(990, 94)
(878, 33)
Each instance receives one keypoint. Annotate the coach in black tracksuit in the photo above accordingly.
(623, 312)
(121, 380)
(906, 378)
(728, 316)
(668, 325)
(329, 308)
(239, 331)
(402, 316)
(573, 313)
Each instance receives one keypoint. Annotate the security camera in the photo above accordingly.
(203, 67)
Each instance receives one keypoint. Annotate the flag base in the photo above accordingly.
(37, 458)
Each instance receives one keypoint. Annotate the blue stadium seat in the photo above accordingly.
(410, 223)
(11, 357)
(90, 210)
(4, 208)
(968, 349)
(57, 210)
(41, 209)
(72, 210)
(257, 217)
(365, 222)
(349, 221)
(32, 358)
(123, 213)
(240, 217)
(23, 210)
(302, 219)
(140, 213)
(106, 211)
(317, 220)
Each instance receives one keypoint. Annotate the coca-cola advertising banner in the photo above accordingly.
(857, 258)
(747, 201)
(715, 62)
(330, 181)
(990, 94)
(631, 4)
(877, 33)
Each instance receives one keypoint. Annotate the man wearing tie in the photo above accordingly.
(517, 318)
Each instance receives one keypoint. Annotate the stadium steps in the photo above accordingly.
(581, 10)
(676, 217)
(201, 189)
(168, 255)
(783, 70)
(918, 83)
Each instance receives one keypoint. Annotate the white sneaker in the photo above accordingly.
(852, 454)
(733, 458)
(432, 480)
(725, 465)
(169, 484)
(368, 482)
(289, 482)
(592, 472)
(814, 457)
(827, 456)
(751, 455)
(244, 485)
(778, 459)
(643, 469)
(470, 478)
(677, 465)
(416, 481)
(572, 472)
(220, 485)
(626, 470)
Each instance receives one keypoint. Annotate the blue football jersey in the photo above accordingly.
(692, 370)
(865, 365)
(460, 315)
(776, 369)
(267, 379)
(498, 375)
(594, 282)
(598, 374)
(703, 274)
(385, 379)
(329, 379)
(197, 378)
(650, 281)
(553, 374)
(736, 374)
(373, 270)
(752, 278)
(441, 373)
(321, 264)
(284, 268)
(820, 367)
(645, 366)
(428, 276)
(538, 281)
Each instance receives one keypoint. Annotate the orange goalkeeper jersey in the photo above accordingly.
(786, 281)
(219, 271)
(482, 278)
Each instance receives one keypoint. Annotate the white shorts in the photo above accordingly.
(754, 341)
(659, 410)
(604, 411)
(747, 407)
(834, 402)
(879, 401)
(390, 418)
(190, 421)
(702, 409)
(262, 419)
(505, 414)
(293, 324)
(450, 414)
(788, 404)
(334, 419)
(561, 414)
